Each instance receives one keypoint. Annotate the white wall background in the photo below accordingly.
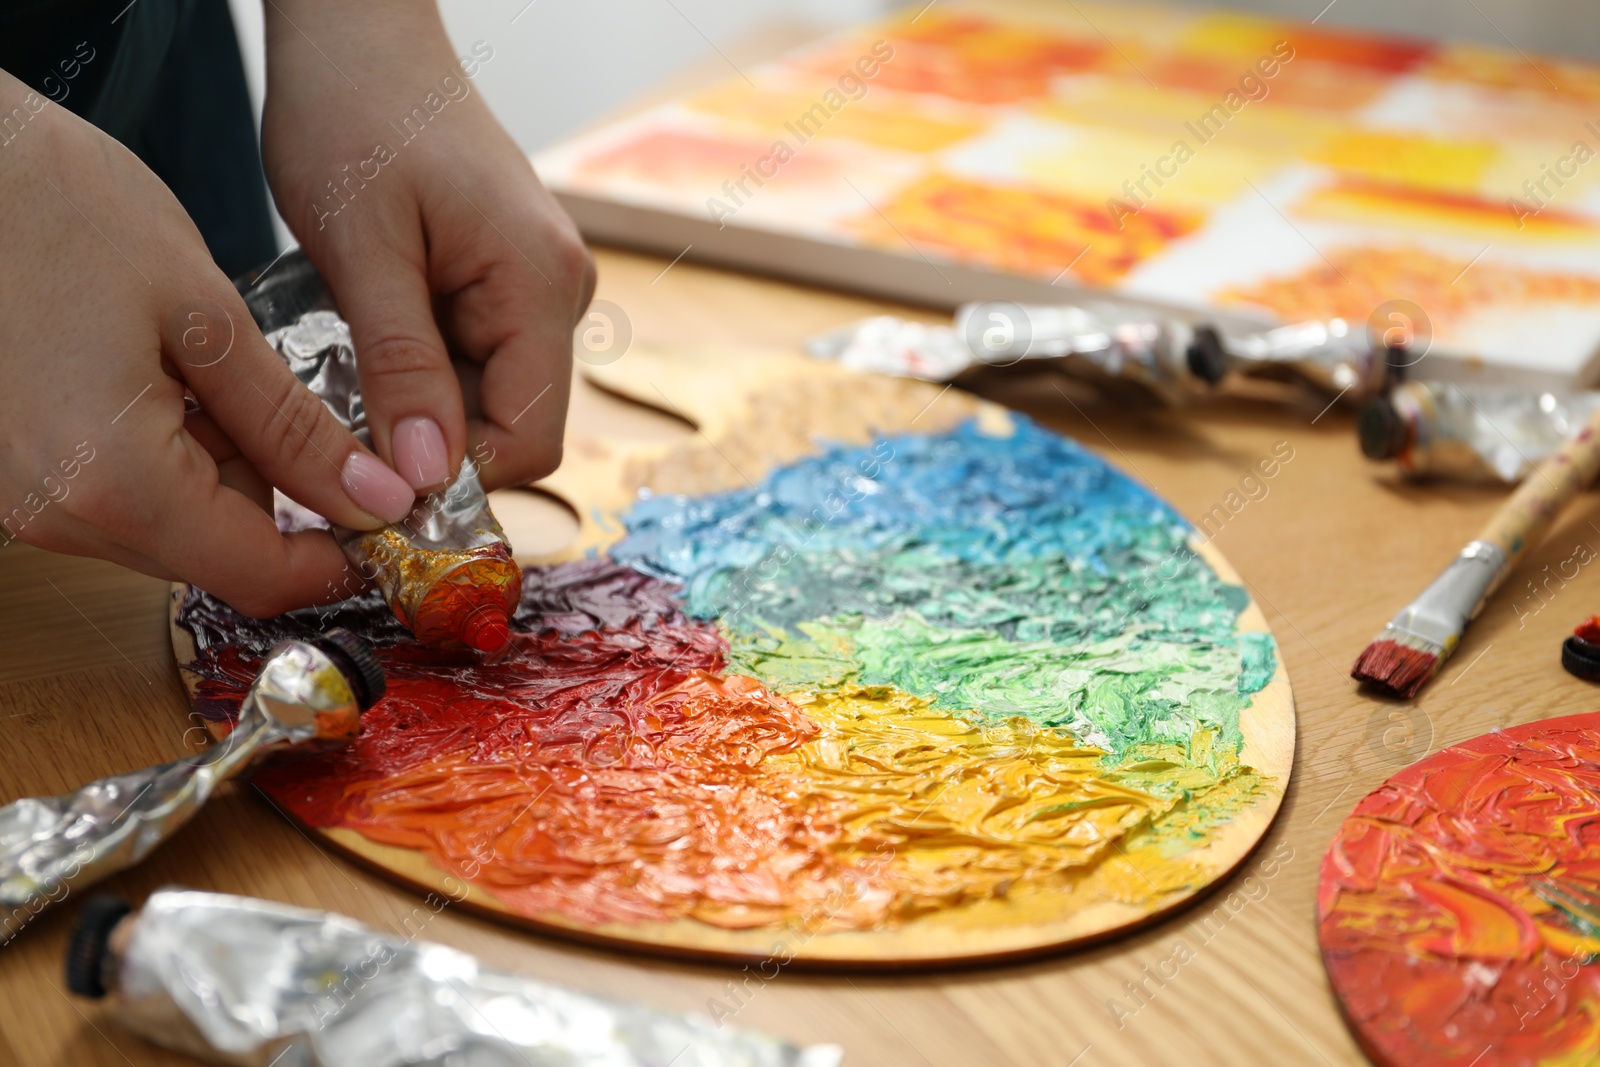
(562, 64)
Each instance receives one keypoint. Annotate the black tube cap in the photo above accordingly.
(356, 661)
(1581, 659)
(278, 293)
(1207, 359)
(1396, 358)
(91, 936)
(1383, 430)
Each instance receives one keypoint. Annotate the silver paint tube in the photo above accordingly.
(50, 846)
(1474, 433)
(1334, 356)
(234, 980)
(901, 348)
(1118, 347)
(1142, 354)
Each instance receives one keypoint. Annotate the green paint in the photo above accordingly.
(1116, 694)
(998, 577)
(1259, 662)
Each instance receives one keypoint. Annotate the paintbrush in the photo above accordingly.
(1417, 641)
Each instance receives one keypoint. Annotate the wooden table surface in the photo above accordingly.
(88, 688)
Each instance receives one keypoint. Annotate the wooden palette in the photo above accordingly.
(760, 416)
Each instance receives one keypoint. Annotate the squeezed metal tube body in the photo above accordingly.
(50, 846)
(235, 980)
(1486, 433)
(1331, 356)
(446, 569)
(1119, 347)
(1116, 348)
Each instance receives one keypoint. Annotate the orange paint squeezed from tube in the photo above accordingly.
(447, 597)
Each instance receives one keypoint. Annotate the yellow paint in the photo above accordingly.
(1409, 159)
(1487, 218)
(897, 124)
(952, 813)
(1504, 69)
(1244, 37)
(1097, 163)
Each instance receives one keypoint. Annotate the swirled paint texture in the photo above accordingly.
(884, 681)
(1459, 905)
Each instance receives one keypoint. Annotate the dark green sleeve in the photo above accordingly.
(164, 77)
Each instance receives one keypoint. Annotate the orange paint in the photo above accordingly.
(699, 162)
(983, 61)
(1021, 230)
(1355, 280)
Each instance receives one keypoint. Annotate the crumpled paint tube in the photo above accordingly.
(235, 980)
(50, 846)
(1166, 361)
(446, 569)
(1334, 356)
(1117, 347)
(1476, 433)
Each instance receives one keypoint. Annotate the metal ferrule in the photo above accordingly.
(1455, 597)
(50, 846)
(235, 980)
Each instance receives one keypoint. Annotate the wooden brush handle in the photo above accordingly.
(1523, 520)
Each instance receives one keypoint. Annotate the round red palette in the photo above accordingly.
(1459, 905)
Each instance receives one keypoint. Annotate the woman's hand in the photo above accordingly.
(432, 230)
(110, 311)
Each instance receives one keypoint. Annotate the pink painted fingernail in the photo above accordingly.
(419, 452)
(376, 489)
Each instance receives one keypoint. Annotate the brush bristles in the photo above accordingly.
(1398, 662)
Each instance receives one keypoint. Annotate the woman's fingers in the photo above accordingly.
(250, 396)
(520, 392)
(220, 539)
(413, 402)
(518, 278)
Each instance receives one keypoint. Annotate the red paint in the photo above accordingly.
(1384, 54)
(485, 631)
(1588, 630)
(600, 770)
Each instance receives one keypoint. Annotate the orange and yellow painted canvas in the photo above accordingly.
(1200, 160)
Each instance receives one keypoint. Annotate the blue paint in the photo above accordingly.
(999, 576)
